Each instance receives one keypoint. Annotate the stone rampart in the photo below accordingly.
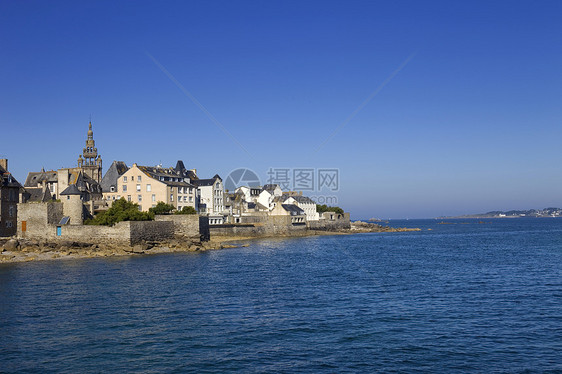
(331, 222)
(39, 221)
(150, 231)
(265, 227)
(186, 226)
(34, 219)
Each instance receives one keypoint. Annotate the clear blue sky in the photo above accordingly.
(471, 123)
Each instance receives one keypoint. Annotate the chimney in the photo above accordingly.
(4, 163)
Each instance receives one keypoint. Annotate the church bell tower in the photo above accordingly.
(89, 161)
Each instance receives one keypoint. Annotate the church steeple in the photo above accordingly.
(89, 161)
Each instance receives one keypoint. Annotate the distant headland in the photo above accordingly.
(533, 213)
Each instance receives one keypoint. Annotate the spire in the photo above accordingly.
(90, 132)
(89, 161)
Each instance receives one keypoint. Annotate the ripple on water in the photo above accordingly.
(459, 298)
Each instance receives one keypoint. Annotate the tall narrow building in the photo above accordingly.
(89, 161)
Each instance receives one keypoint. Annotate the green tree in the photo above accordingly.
(324, 208)
(187, 210)
(121, 210)
(162, 208)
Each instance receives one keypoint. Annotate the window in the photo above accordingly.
(125, 179)
(191, 199)
(148, 188)
(139, 178)
(128, 197)
(190, 190)
(138, 187)
(153, 197)
(140, 198)
(11, 211)
(171, 197)
(140, 208)
(124, 188)
(112, 188)
(68, 198)
(180, 189)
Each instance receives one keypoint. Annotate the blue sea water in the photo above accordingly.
(465, 297)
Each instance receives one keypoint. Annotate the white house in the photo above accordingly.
(210, 195)
(305, 203)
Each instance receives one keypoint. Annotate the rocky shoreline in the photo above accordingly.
(24, 250)
(364, 227)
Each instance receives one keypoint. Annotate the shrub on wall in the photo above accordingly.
(325, 208)
(121, 210)
(187, 210)
(162, 208)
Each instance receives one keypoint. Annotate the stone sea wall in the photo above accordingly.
(39, 221)
(264, 227)
(184, 225)
(331, 222)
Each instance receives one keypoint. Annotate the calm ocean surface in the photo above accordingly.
(459, 298)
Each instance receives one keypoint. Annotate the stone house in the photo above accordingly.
(147, 185)
(44, 181)
(9, 198)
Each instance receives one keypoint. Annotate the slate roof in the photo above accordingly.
(71, 190)
(206, 182)
(86, 184)
(33, 178)
(117, 169)
(7, 179)
(168, 174)
(293, 209)
(184, 172)
(300, 199)
(270, 187)
(36, 194)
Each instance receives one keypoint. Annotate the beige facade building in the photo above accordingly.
(146, 186)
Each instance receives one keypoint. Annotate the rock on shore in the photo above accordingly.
(360, 226)
(22, 250)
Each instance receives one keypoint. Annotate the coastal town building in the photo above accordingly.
(210, 195)
(148, 185)
(256, 199)
(297, 214)
(9, 199)
(42, 181)
(87, 175)
(90, 161)
(109, 180)
(305, 203)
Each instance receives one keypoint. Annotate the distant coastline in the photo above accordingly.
(531, 213)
